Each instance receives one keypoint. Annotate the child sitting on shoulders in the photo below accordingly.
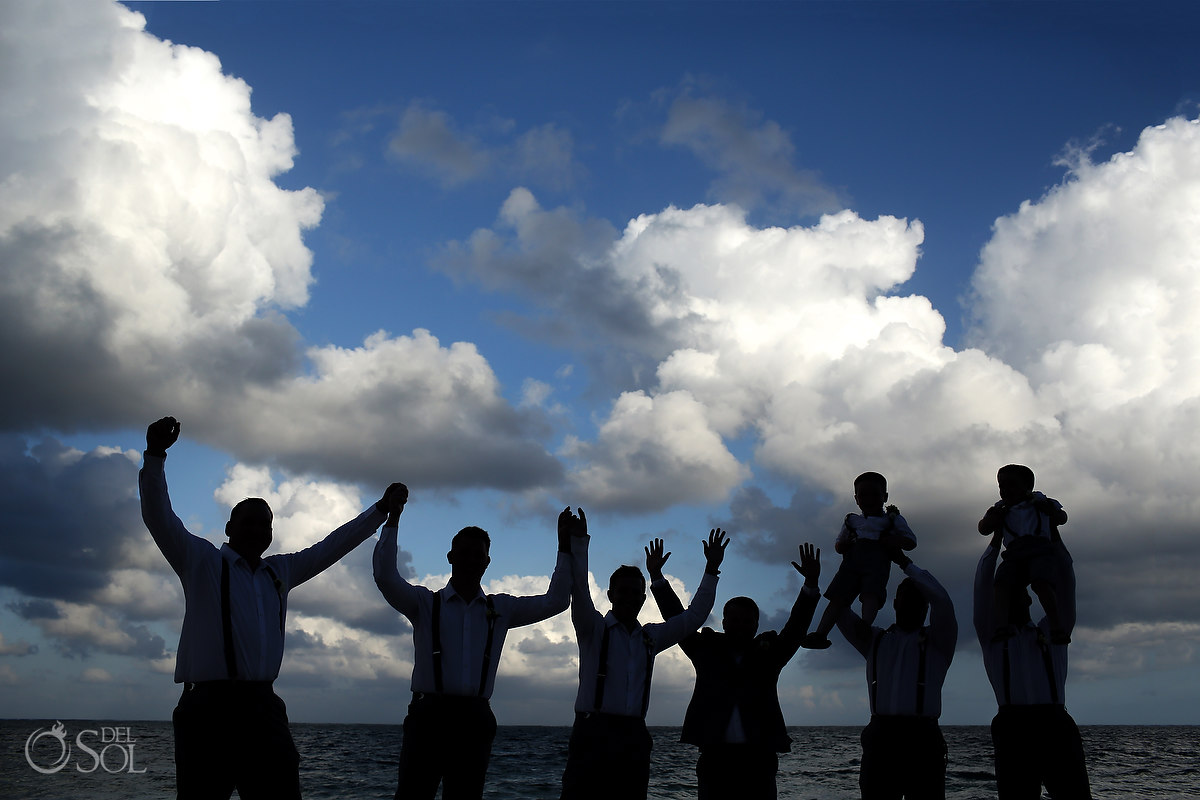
(1029, 523)
(865, 542)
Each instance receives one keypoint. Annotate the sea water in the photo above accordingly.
(107, 760)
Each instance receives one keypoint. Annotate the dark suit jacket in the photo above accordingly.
(752, 685)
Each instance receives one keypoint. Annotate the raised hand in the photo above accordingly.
(714, 551)
(570, 526)
(161, 434)
(656, 559)
(810, 563)
(393, 500)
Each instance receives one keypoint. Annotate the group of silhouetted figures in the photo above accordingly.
(231, 729)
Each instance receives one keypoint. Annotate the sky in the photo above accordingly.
(683, 265)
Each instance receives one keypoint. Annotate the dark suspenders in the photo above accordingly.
(1047, 662)
(602, 671)
(922, 650)
(227, 614)
(437, 643)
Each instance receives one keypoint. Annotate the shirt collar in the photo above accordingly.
(449, 594)
(611, 621)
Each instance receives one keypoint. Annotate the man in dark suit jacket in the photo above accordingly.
(734, 715)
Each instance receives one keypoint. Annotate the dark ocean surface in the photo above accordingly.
(359, 761)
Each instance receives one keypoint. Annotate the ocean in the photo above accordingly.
(106, 760)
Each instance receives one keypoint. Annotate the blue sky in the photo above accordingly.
(681, 264)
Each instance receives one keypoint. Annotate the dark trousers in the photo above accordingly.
(608, 758)
(1038, 746)
(744, 771)
(234, 734)
(902, 757)
(447, 740)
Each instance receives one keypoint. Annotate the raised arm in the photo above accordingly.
(673, 630)
(669, 604)
(806, 602)
(317, 558)
(583, 610)
(985, 598)
(857, 632)
(165, 527)
(399, 593)
(943, 627)
(535, 608)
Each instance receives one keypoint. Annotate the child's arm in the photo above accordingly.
(845, 538)
(1052, 509)
(992, 520)
(900, 531)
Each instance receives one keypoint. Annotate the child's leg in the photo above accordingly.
(871, 603)
(819, 639)
(829, 619)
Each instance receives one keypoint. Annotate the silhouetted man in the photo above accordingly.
(231, 729)
(1035, 740)
(734, 715)
(458, 633)
(903, 751)
(608, 756)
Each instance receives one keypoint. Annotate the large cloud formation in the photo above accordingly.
(144, 242)
(1083, 365)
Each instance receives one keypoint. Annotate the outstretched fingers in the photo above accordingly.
(655, 557)
(714, 549)
(810, 562)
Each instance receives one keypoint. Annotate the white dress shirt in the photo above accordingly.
(628, 651)
(893, 661)
(256, 605)
(1025, 669)
(464, 622)
(1024, 519)
(870, 527)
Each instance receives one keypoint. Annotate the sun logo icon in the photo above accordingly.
(59, 732)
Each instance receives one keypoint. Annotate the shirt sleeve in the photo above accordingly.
(399, 593)
(985, 598)
(901, 527)
(844, 533)
(583, 611)
(671, 632)
(314, 560)
(669, 605)
(167, 530)
(535, 608)
(943, 627)
(857, 632)
(797, 623)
